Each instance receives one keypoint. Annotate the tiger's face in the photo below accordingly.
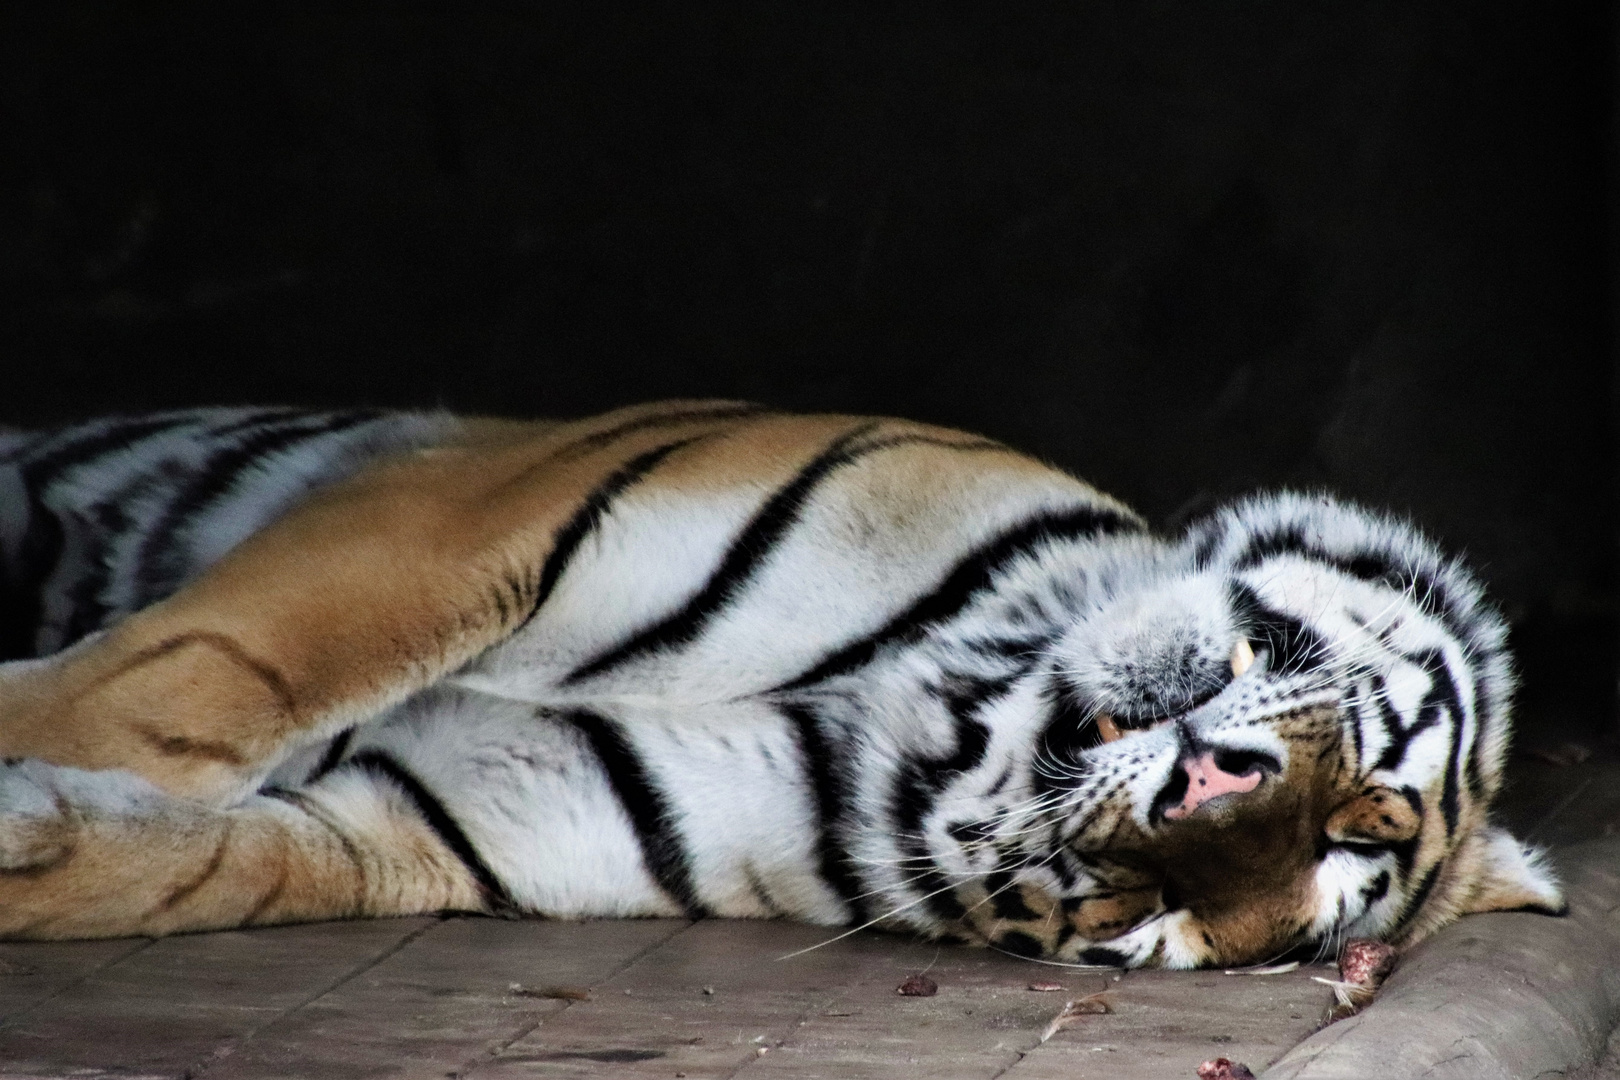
(1285, 735)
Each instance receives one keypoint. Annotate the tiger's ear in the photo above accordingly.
(1379, 815)
(1508, 876)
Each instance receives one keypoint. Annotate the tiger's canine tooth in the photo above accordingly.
(1242, 657)
(1108, 728)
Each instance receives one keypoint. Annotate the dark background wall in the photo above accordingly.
(1182, 248)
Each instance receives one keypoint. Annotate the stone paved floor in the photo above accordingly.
(436, 998)
(441, 998)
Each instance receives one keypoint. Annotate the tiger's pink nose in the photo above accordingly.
(1206, 780)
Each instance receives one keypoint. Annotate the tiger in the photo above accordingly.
(708, 659)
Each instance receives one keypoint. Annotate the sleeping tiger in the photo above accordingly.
(705, 659)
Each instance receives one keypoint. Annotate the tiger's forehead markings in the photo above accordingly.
(1375, 560)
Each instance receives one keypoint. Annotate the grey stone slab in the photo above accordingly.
(183, 1001)
(442, 1001)
(705, 1004)
(834, 1013)
(980, 1021)
(31, 973)
(425, 998)
(982, 1017)
(1165, 1023)
(1493, 997)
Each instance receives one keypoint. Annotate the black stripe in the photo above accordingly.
(1476, 750)
(1414, 902)
(56, 458)
(31, 567)
(1443, 695)
(25, 571)
(1289, 539)
(833, 800)
(750, 548)
(597, 440)
(439, 820)
(1005, 897)
(93, 529)
(1059, 860)
(1362, 705)
(919, 781)
(972, 575)
(1393, 724)
(1207, 545)
(256, 418)
(159, 564)
(1380, 566)
(755, 543)
(1441, 704)
(1069, 732)
(912, 799)
(662, 849)
(589, 516)
(1375, 890)
(1293, 647)
(334, 754)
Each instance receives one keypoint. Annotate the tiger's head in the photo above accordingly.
(1284, 732)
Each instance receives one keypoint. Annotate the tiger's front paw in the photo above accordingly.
(38, 828)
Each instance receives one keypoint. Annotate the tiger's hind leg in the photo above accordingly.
(106, 854)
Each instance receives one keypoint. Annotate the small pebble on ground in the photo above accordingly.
(917, 986)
